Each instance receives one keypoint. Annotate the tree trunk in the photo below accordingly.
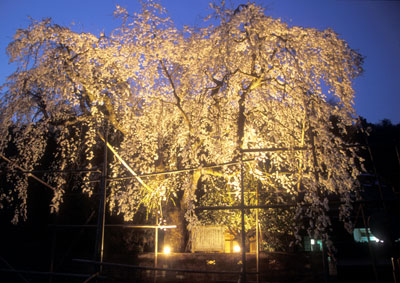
(176, 238)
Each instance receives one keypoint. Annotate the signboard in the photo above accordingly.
(208, 239)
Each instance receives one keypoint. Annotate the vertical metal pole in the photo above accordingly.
(395, 269)
(325, 264)
(376, 173)
(99, 248)
(397, 153)
(243, 223)
(156, 248)
(257, 239)
(371, 251)
(53, 253)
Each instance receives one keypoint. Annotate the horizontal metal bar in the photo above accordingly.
(248, 150)
(181, 170)
(141, 226)
(287, 205)
(58, 171)
(113, 226)
(65, 171)
(12, 268)
(274, 149)
(46, 273)
(355, 145)
(156, 268)
(247, 207)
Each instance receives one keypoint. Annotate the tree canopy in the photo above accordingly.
(188, 104)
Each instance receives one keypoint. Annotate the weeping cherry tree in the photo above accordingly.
(185, 109)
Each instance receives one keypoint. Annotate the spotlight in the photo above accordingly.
(167, 250)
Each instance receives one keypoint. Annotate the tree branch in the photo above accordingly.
(178, 99)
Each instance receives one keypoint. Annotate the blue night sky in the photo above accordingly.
(372, 27)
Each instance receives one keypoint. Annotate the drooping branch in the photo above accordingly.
(29, 174)
(176, 96)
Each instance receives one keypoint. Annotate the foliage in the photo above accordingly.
(194, 99)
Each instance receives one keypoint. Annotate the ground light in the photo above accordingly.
(236, 248)
(167, 250)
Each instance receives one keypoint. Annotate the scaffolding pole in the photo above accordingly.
(257, 239)
(99, 245)
(371, 251)
(156, 249)
(243, 211)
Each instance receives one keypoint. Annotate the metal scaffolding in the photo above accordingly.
(98, 261)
